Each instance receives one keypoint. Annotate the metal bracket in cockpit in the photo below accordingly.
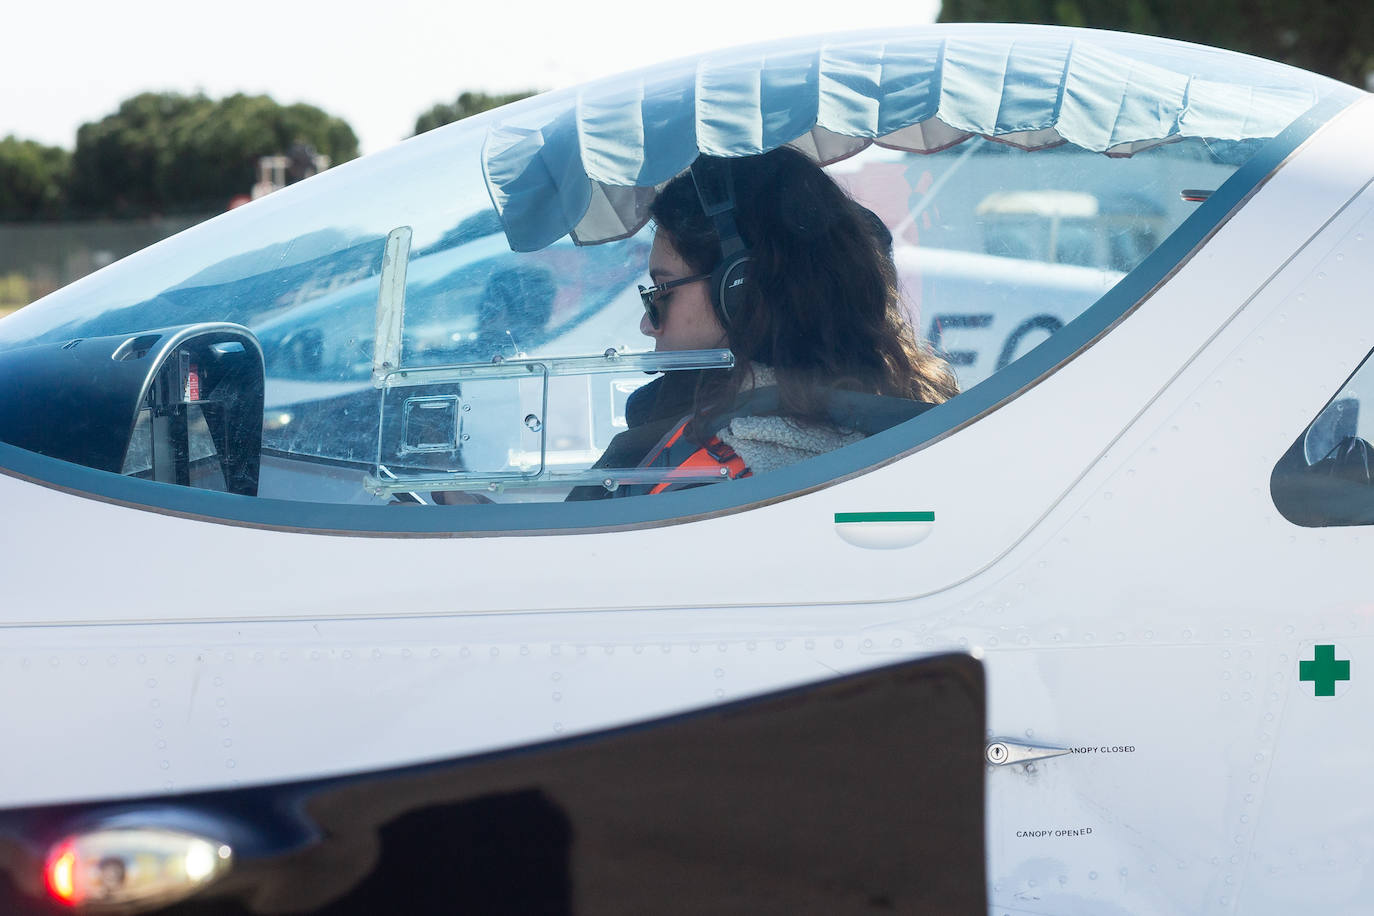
(493, 425)
(391, 304)
(486, 426)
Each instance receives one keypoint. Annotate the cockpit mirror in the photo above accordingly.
(180, 405)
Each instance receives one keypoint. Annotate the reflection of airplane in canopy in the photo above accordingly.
(1146, 262)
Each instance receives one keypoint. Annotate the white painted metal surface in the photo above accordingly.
(1107, 540)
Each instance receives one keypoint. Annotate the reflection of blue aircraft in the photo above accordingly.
(475, 302)
(463, 304)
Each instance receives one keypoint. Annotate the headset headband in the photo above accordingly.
(715, 186)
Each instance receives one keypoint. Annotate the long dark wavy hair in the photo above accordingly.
(822, 306)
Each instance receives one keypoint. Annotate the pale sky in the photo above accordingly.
(377, 64)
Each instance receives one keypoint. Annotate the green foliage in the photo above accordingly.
(33, 180)
(15, 292)
(466, 105)
(168, 153)
(1334, 37)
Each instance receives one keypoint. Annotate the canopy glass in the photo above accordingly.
(435, 318)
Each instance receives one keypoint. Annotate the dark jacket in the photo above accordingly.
(654, 413)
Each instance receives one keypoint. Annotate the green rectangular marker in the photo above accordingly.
(842, 517)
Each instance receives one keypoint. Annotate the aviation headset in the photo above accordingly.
(729, 281)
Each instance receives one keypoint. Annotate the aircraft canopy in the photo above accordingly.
(589, 165)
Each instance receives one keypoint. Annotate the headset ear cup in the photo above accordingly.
(729, 284)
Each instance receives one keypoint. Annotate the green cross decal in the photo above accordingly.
(1324, 671)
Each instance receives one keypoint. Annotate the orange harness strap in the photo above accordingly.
(714, 453)
(668, 442)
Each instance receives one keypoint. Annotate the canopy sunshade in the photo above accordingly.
(591, 166)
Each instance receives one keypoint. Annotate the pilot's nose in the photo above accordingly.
(646, 328)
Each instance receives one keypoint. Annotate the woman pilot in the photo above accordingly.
(768, 256)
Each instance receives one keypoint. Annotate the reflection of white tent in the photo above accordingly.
(1049, 204)
(587, 164)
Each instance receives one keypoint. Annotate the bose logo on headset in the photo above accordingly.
(716, 190)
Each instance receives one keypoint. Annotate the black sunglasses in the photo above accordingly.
(647, 295)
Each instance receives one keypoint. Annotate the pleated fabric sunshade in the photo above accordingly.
(591, 165)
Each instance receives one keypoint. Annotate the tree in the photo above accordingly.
(33, 180)
(168, 152)
(465, 106)
(1334, 37)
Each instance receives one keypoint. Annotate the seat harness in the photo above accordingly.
(684, 454)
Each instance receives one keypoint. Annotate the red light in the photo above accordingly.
(61, 880)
